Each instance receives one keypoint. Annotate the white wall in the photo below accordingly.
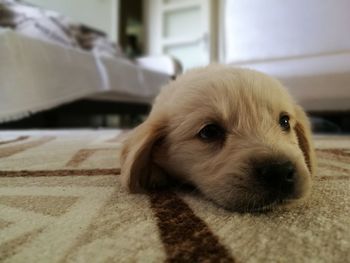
(272, 29)
(101, 14)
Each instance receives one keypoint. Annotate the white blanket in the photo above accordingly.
(37, 75)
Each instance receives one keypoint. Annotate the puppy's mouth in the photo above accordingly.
(265, 207)
(264, 202)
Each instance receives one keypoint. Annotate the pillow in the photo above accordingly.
(54, 27)
(36, 22)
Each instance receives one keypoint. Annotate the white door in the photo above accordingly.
(180, 28)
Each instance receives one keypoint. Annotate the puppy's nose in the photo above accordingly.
(278, 176)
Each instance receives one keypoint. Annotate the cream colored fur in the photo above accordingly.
(247, 104)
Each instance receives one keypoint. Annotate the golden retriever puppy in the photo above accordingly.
(234, 134)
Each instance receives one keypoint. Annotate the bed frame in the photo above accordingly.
(84, 114)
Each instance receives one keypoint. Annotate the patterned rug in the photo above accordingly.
(61, 201)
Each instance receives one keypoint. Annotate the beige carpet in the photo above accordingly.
(61, 201)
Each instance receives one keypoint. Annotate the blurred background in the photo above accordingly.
(100, 63)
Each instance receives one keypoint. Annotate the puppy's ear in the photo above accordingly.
(303, 131)
(138, 171)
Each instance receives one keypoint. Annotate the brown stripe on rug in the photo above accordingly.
(10, 248)
(83, 155)
(80, 157)
(341, 152)
(336, 154)
(18, 139)
(185, 236)
(75, 172)
(332, 178)
(12, 150)
(334, 168)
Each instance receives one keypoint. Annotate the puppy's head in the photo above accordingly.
(234, 134)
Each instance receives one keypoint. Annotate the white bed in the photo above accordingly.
(319, 83)
(37, 75)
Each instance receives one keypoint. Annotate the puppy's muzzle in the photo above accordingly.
(277, 177)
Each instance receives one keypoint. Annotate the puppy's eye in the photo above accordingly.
(284, 122)
(211, 132)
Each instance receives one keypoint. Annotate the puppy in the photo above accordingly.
(234, 134)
